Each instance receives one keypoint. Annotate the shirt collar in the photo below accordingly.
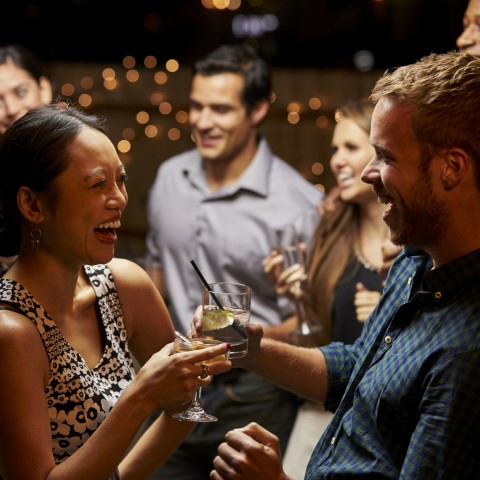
(448, 278)
(254, 178)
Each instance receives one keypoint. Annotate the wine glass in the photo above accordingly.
(195, 412)
(289, 245)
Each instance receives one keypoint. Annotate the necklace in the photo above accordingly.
(362, 260)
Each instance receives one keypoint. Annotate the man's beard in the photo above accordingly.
(422, 221)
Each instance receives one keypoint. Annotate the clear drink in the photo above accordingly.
(225, 312)
(224, 330)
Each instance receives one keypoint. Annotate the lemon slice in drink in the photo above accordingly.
(215, 319)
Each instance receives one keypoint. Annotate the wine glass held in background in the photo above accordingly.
(225, 313)
(289, 245)
(195, 412)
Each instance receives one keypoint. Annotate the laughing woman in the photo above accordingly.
(72, 316)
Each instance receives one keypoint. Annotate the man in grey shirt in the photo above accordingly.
(218, 204)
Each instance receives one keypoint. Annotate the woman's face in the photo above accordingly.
(19, 93)
(351, 152)
(90, 196)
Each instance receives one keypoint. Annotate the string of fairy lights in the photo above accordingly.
(153, 80)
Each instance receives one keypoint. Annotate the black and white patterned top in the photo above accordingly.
(78, 398)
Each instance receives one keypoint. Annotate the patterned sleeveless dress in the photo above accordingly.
(78, 398)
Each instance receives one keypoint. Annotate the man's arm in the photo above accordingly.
(298, 369)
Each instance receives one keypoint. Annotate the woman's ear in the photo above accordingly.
(46, 90)
(29, 204)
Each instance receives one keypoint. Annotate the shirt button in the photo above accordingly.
(332, 441)
(438, 295)
(388, 339)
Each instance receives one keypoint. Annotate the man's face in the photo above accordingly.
(415, 215)
(469, 39)
(218, 117)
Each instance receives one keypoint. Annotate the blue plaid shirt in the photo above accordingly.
(407, 393)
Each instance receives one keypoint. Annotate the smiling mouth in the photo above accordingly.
(108, 227)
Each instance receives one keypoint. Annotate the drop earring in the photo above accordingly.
(35, 235)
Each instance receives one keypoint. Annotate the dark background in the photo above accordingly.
(311, 33)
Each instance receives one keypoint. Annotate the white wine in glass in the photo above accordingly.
(195, 412)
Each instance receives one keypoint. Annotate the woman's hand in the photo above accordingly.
(365, 302)
(169, 379)
(289, 282)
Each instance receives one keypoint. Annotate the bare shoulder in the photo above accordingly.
(127, 272)
(18, 336)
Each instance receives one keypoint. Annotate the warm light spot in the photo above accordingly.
(221, 4)
(165, 108)
(338, 115)
(207, 3)
(314, 103)
(132, 75)
(317, 168)
(160, 78)
(321, 121)
(171, 65)
(85, 100)
(156, 98)
(294, 107)
(129, 61)
(67, 89)
(110, 84)
(320, 187)
(150, 61)
(128, 133)
(235, 4)
(151, 131)
(143, 117)
(108, 74)
(174, 134)
(87, 82)
(181, 116)
(273, 97)
(293, 118)
(124, 146)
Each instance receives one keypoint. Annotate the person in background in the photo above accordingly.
(469, 40)
(226, 196)
(72, 316)
(24, 84)
(405, 391)
(345, 277)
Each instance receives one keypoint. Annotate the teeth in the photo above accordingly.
(115, 224)
(344, 176)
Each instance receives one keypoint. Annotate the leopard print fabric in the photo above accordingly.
(78, 398)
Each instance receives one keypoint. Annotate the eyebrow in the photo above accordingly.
(99, 171)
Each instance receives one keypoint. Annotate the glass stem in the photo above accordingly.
(196, 405)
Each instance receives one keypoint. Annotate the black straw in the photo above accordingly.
(215, 299)
(207, 286)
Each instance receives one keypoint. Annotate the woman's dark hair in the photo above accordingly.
(25, 59)
(33, 152)
(242, 59)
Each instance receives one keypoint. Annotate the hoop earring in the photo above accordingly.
(35, 235)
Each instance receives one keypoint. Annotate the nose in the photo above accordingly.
(336, 160)
(202, 119)
(118, 199)
(11, 109)
(467, 37)
(371, 172)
